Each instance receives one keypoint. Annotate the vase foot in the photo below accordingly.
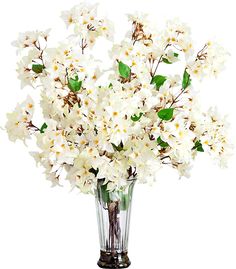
(111, 260)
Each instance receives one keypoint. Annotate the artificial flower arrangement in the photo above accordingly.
(104, 129)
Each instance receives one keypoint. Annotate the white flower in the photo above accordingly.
(87, 24)
(81, 173)
(19, 121)
(30, 39)
(119, 122)
(106, 29)
(184, 169)
(210, 61)
(178, 35)
(214, 136)
(70, 17)
(24, 68)
(141, 18)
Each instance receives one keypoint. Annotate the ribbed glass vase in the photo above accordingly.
(113, 215)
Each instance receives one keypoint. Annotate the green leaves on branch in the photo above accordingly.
(105, 194)
(124, 70)
(124, 201)
(162, 143)
(119, 148)
(135, 117)
(166, 113)
(74, 84)
(166, 61)
(198, 146)
(43, 127)
(186, 80)
(37, 68)
(159, 80)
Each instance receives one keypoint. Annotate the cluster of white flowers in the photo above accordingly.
(209, 61)
(87, 24)
(19, 124)
(129, 126)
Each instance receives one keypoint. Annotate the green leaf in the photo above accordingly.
(105, 194)
(110, 85)
(186, 80)
(119, 148)
(74, 85)
(43, 127)
(159, 80)
(135, 117)
(176, 54)
(166, 61)
(37, 68)
(76, 77)
(124, 70)
(198, 146)
(166, 113)
(162, 143)
(124, 201)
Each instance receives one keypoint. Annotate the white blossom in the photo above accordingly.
(210, 61)
(19, 121)
(30, 39)
(87, 24)
(119, 123)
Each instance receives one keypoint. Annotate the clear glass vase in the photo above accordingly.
(113, 215)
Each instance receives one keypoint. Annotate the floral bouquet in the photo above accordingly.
(104, 129)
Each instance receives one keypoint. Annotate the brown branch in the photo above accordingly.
(176, 98)
(32, 126)
(199, 54)
(159, 61)
(83, 45)
(181, 92)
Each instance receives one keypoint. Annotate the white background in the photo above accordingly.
(176, 224)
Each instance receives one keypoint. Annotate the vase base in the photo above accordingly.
(114, 260)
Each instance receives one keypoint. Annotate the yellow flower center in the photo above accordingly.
(70, 20)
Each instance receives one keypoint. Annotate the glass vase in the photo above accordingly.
(113, 215)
